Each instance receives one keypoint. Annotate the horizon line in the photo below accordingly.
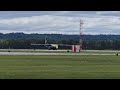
(54, 33)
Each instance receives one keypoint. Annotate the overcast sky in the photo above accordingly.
(60, 22)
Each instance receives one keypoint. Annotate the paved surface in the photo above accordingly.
(32, 50)
(102, 50)
(53, 52)
(28, 53)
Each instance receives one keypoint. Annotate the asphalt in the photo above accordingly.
(30, 53)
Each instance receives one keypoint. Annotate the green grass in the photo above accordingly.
(59, 67)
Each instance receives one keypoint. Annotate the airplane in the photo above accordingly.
(51, 46)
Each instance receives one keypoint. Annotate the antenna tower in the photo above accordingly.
(81, 41)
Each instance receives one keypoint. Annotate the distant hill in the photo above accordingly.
(57, 36)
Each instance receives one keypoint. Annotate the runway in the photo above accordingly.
(55, 52)
(42, 50)
(30, 53)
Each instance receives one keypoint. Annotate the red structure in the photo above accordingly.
(75, 48)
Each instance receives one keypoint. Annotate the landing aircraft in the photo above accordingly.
(51, 46)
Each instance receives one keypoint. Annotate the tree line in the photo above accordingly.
(57, 36)
(87, 44)
(23, 41)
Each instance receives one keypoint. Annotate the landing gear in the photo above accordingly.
(49, 49)
(52, 48)
(117, 54)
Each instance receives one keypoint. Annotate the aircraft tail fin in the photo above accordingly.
(45, 41)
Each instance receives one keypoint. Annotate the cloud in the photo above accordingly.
(108, 13)
(64, 22)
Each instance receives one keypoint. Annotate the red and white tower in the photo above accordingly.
(78, 48)
(81, 41)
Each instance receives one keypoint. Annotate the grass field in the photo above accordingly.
(59, 67)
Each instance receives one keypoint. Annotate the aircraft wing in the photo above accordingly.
(40, 44)
(37, 44)
(64, 45)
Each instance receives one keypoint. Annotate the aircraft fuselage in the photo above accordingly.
(52, 46)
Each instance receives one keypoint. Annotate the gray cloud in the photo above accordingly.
(64, 22)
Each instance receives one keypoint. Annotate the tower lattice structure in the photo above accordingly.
(81, 34)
